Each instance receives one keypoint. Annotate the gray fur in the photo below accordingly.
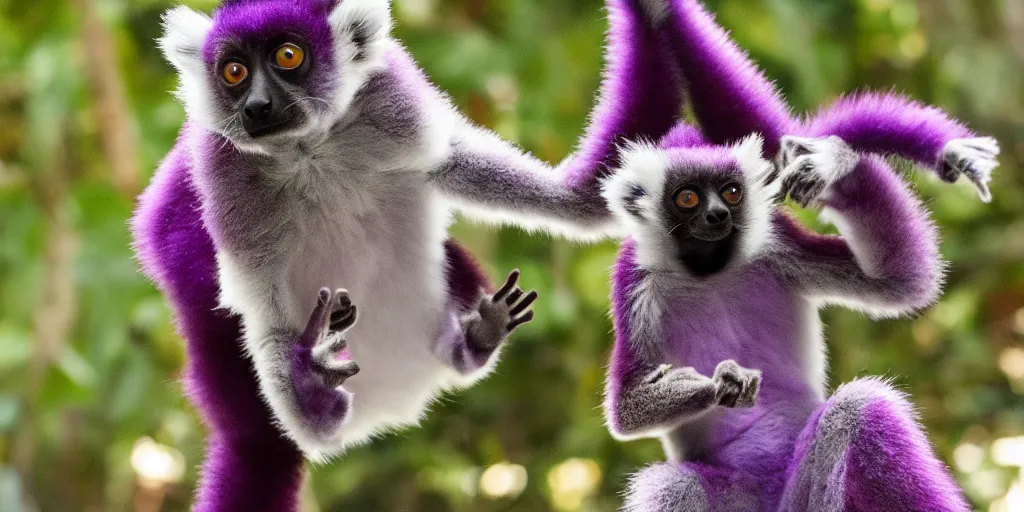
(665, 487)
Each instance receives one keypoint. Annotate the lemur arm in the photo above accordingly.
(249, 464)
(642, 397)
(729, 95)
(889, 124)
(885, 261)
(639, 100)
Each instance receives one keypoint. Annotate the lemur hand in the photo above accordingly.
(810, 166)
(974, 158)
(735, 386)
(499, 315)
(324, 339)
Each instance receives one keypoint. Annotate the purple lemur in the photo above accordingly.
(317, 154)
(716, 279)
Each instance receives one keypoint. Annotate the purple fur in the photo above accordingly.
(863, 450)
(250, 466)
(888, 124)
(639, 97)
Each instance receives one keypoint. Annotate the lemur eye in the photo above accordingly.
(234, 73)
(289, 56)
(732, 194)
(687, 199)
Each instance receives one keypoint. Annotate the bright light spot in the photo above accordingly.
(1009, 451)
(878, 5)
(913, 45)
(1013, 501)
(503, 91)
(989, 484)
(503, 480)
(156, 464)
(416, 12)
(1018, 322)
(572, 481)
(1011, 362)
(968, 457)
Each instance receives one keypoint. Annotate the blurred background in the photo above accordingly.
(91, 413)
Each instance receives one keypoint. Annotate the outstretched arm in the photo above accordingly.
(639, 100)
(889, 124)
(729, 95)
(644, 398)
(885, 261)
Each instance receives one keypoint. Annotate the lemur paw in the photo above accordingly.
(736, 386)
(497, 316)
(810, 166)
(974, 158)
(323, 340)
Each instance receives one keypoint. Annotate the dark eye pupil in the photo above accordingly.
(288, 54)
(235, 70)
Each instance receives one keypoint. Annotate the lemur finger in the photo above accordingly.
(513, 277)
(336, 373)
(514, 296)
(516, 322)
(523, 304)
(343, 319)
(317, 318)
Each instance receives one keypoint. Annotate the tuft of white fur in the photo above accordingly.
(373, 16)
(979, 155)
(643, 167)
(185, 32)
(757, 231)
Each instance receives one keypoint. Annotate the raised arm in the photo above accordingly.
(885, 261)
(639, 99)
(889, 124)
(644, 398)
(730, 96)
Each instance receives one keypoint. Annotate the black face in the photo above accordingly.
(702, 215)
(264, 82)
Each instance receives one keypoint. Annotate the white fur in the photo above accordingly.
(185, 32)
(644, 166)
(980, 154)
(375, 15)
(758, 197)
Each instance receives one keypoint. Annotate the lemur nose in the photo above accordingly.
(258, 109)
(717, 216)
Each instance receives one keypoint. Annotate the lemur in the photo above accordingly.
(317, 154)
(718, 347)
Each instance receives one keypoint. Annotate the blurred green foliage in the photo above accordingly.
(89, 362)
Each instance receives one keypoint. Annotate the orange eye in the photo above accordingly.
(687, 199)
(234, 73)
(732, 194)
(289, 56)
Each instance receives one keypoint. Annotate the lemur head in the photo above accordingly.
(699, 207)
(264, 71)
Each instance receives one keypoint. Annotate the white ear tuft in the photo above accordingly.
(184, 33)
(361, 24)
(633, 190)
(749, 158)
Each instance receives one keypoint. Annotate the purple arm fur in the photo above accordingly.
(249, 464)
(730, 96)
(885, 261)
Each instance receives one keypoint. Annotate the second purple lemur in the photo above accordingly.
(715, 279)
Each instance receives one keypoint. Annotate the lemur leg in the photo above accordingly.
(691, 487)
(889, 124)
(249, 464)
(472, 338)
(729, 95)
(886, 260)
(863, 450)
(640, 99)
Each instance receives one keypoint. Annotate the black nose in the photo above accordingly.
(717, 216)
(258, 109)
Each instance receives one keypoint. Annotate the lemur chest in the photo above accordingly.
(754, 320)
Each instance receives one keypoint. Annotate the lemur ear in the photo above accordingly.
(184, 33)
(632, 191)
(750, 159)
(359, 26)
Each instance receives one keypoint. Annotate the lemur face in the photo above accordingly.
(694, 208)
(703, 209)
(266, 71)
